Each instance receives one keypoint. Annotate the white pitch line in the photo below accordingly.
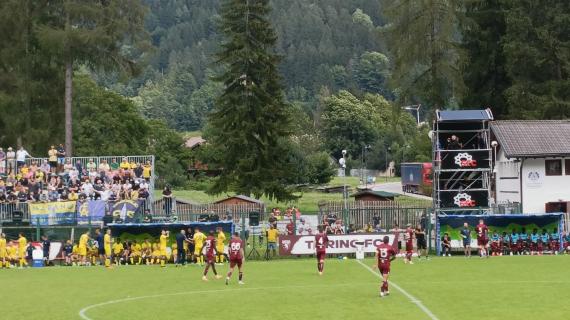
(413, 299)
(82, 312)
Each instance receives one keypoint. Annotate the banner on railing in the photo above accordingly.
(125, 210)
(346, 243)
(53, 213)
(90, 211)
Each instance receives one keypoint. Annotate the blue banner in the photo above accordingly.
(90, 211)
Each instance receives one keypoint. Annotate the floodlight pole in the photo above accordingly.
(415, 108)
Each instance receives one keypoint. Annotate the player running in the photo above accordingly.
(409, 237)
(236, 257)
(482, 238)
(385, 254)
(321, 241)
(210, 256)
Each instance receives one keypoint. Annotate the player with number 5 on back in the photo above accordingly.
(385, 254)
(321, 241)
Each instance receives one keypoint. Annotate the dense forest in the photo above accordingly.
(347, 69)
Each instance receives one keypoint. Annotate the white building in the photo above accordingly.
(533, 164)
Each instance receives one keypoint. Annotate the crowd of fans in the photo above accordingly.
(56, 178)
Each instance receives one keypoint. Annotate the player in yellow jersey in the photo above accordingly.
(163, 239)
(199, 238)
(82, 248)
(136, 253)
(221, 238)
(117, 251)
(146, 247)
(155, 253)
(107, 247)
(75, 254)
(3, 252)
(12, 255)
(22, 244)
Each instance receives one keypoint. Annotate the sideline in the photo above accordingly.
(413, 299)
(83, 315)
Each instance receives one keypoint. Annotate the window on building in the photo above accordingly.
(553, 167)
(567, 165)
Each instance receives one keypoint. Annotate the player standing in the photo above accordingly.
(544, 241)
(534, 242)
(22, 244)
(482, 236)
(465, 234)
(107, 248)
(321, 241)
(385, 254)
(236, 257)
(198, 238)
(210, 256)
(409, 237)
(3, 251)
(555, 241)
(163, 238)
(514, 242)
(82, 248)
(220, 245)
(421, 243)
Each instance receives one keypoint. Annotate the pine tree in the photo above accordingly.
(250, 122)
(103, 34)
(537, 49)
(426, 50)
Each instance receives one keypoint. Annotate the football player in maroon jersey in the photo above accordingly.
(321, 241)
(210, 256)
(236, 257)
(482, 238)
(409, 237)
(385, 254)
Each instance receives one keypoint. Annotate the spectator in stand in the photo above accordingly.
(91, 165)
(52, 158)
(2, 195)
(21, 156)
(114, 165)
(45, 168)
(138, 171)
(72, 196)
(290, 228)
(453, 143)
(297, 213)
(338, 228)
(304, 228)
(11, 161)
(446, 245)
(272, 220)
(60, 157)
(104, 168)
(125, 164)
(147, 168)
(2, 162)
(79, 168)
(67, 167)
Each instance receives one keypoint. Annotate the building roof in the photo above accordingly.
(381, 194)
(242, 197)
(194, 142)
(533, 138)
(464, 115)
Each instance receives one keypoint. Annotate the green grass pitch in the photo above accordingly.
(451, 288)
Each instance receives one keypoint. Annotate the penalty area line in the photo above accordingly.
(412, 299)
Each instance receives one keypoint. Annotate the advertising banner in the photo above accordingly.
(465, 159)
(464, 199)
(346, 243)
(452, 224)
(53, 213)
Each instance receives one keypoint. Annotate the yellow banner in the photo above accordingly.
(52, 208)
